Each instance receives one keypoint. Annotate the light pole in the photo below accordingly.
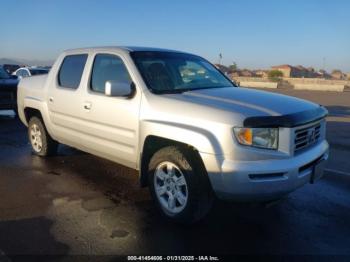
(324, 64)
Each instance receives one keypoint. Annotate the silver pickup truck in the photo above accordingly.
(189, 131)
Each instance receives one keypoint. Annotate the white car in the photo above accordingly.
(30, 71)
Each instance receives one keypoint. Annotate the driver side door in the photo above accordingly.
(111, 124)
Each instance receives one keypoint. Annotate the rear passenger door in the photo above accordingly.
(64, 100)
(111, 123)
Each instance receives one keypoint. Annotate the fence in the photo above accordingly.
(296, 83)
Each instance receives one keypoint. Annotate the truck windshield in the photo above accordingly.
(171, 72)
(3, 74)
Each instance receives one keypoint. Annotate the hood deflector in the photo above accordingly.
(291, 120)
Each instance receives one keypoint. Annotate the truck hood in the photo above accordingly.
(253, 102)
(250, 104)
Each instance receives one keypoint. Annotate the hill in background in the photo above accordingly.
(25, 62)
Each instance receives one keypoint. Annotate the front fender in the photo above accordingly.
(201, 139)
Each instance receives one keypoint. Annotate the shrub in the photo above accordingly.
(275, 75)
(233, 67)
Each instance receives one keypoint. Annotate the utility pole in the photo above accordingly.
(324, 63)
(220, 58)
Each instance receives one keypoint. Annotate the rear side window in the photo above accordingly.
(71, 71)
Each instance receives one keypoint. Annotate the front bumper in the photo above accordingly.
(262, 180)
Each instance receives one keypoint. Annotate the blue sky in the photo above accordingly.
(254, 34)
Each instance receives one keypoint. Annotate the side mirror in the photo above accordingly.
(115, 88)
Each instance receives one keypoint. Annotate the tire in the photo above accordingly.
(193, 197)
(40, 140)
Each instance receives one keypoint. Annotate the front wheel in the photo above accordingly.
(179, 185)
(40, 140)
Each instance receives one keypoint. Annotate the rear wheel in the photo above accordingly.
(179, 185)
(40, 140)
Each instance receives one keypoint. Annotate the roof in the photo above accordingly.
(301, 67)
(121, 48)
(282, 66)
(337, 72)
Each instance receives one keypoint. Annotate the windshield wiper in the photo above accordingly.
(170, 91)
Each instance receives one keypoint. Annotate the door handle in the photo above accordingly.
(87, 105)
(51, 99)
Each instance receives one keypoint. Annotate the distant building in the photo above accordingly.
(261, 73)
(241, 73)
(222, 68)
(323, 74)
(287, 70)
(302, 71)
(247, 73)
(311, 72)
(296, 71)
(233, 74)
(339, 75)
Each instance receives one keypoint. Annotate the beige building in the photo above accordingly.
(287, 70)
(295, 71)
(339, 75)
(242, 73)
(262, 73)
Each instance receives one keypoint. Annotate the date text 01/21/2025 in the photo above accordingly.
(173, 258)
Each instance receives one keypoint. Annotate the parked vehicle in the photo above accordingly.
(10, 68)
(190, 132)
(8, 91)
(30, 71)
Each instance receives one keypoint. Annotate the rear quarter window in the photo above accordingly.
(71, 71)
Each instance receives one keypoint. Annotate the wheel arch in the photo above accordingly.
(36, 107)
(152, 144)
(29, 112)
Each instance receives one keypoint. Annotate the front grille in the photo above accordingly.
(307, 136)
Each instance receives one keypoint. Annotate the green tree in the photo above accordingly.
(233, 67)
(275, 75)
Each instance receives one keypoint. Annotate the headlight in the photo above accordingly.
(257, 137)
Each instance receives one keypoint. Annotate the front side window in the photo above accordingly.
(171, 72)
(108, 68)
(71, 71)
